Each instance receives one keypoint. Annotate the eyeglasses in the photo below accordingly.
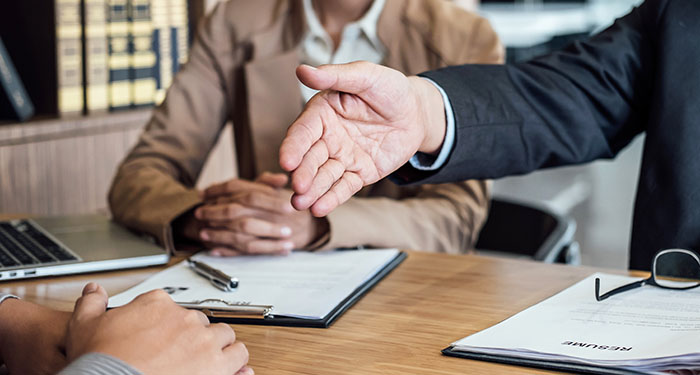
(672, 269)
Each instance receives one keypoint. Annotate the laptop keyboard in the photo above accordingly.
(22, 244)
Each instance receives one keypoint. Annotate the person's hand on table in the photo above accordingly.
(368, 122)
(154, 335)
(32, 338)
(243, 217)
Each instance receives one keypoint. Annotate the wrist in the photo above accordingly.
(187, 226)
(8, 310)
(431, 114)
(321, 227)
(319, 236)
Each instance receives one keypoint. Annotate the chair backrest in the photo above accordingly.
(529, 230)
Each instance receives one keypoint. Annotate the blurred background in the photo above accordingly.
(74, 98)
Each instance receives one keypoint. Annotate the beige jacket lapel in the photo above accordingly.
(274, 101)
(273, 96)
(404, 52)
(413, 46)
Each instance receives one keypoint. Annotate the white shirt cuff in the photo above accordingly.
(425, 162)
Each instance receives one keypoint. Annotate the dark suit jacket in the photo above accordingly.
(587, 102)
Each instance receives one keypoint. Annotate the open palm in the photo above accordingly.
(367, 123)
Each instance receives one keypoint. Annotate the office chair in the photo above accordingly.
(525, 230)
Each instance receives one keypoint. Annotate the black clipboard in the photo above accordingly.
(260, 317)
(564, 366)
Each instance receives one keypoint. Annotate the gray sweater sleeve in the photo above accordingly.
(98, 364)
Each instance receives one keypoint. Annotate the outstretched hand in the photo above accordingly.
(367, 122)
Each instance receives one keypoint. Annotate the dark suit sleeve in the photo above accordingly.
(582, 103)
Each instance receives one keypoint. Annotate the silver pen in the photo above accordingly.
(217, 278)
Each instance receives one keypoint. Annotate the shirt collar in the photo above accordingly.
(368, 23)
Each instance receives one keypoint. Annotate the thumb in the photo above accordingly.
(92, 304)
(352, 78)
(275, 180)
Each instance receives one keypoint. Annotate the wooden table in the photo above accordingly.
(399, 327)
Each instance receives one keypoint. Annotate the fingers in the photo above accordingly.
(226, 237)
(350, 78)
(303, 151)
(271, 247)
(222, 212)
(277, 203)
(223, 334)
(246, 243)
(196, 317)
(257, 227)
(236, 356)
(245, 204)
(325, 178)
(156, 296)
(343, 190)
(234, 186)
(307, 170)
(315, 78)
(225, 252)
(307, 129)
(301, 135)
(275, 180)
(92, 304)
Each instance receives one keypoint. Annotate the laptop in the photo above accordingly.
(69, 245)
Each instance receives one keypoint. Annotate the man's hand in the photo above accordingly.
(243, 217)
(369, 121)
(154, 335)
(32, 338)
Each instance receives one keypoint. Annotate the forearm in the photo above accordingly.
(442, 218)
(4, 318)
(149, 200)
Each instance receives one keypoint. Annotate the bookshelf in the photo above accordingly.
(65, 165)
(43, 130)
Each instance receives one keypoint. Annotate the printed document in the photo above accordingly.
(301, 285)
(646, 329)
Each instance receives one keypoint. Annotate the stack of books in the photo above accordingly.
(89, 56)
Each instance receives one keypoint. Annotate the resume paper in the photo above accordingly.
(648, 329)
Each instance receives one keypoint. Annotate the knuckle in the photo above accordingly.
(192, 317)
(247, 225)
(234, 209)
(214, 236)
(246, 246)
(243, 350)
(228, 238)
(252, 198)
(207, 336)
(156, 295)
(254, 247)
(236, 225)
(226, 329)
(285, 206)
